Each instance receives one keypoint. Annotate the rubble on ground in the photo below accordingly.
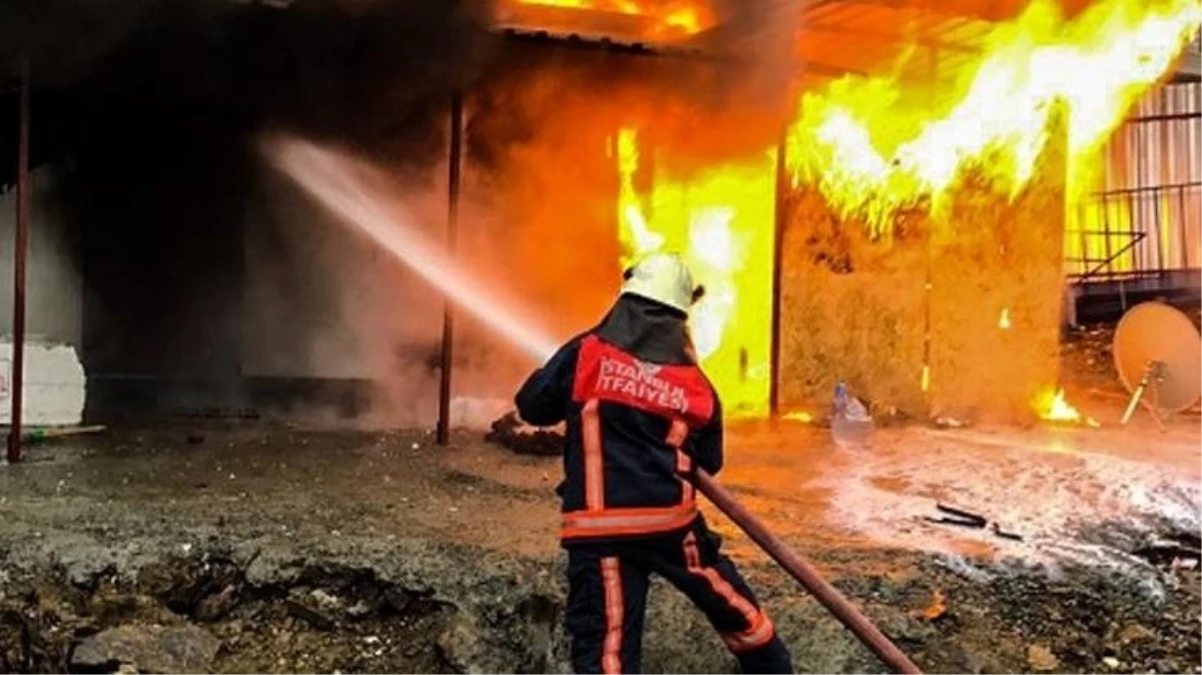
(340, 552)
(511, 432)
(1088, 353)
(461, 618)
(183, 648)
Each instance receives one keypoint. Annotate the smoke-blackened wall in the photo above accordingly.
(197, 267)
(54, 295)
(203, 268)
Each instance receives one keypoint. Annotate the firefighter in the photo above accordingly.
(641, 417)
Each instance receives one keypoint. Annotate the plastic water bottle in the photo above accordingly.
(851, 425)
(839, 404)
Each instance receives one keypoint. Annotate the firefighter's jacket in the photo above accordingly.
(640, 417)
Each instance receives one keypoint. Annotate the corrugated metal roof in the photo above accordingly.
(867, 35)
(1189, 68)
(832, 36)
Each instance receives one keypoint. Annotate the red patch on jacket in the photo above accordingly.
(606, 373)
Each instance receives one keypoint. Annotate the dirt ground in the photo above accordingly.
(264, 548)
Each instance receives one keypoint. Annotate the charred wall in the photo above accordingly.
(166, 207)
(54, 302)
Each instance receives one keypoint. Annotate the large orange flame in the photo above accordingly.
(720, 220)
(873, 147)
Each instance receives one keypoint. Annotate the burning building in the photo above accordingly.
(931, 221)
(914, 217)
(876, 193)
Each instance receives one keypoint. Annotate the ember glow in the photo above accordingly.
(874, 146)
(669, 18)
(720, 220)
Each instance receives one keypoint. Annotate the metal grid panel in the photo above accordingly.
(1147, 219)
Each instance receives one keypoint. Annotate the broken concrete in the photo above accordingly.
(147, 649)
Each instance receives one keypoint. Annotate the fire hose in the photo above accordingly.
(806, 575)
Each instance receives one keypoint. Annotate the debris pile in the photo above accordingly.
(154, 649)
(968, 519)
(171, 620)
(152, 552)
(1087, 354)
(1178, 550)
(511, 432)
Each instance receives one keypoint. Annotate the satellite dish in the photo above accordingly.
(1158, 355)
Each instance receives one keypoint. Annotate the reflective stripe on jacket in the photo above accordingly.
(635, 431)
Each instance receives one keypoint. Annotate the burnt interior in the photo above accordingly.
(150, 127)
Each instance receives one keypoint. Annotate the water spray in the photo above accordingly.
(331, 178)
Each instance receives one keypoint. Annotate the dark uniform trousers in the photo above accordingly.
(607, 601)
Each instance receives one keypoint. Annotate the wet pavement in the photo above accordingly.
(475, 525)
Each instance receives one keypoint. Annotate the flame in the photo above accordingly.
(719, 219)
(799, 416)
(1054, 407)
(875, 145)
(668, 17)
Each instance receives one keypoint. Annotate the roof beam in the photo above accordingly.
(577, 41)
(751, 20)
(888, 36)
(986, 10)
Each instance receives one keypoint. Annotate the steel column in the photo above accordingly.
(448, 313)
(778, 227)
(21, 245)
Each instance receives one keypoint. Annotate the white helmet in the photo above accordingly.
(664, 278)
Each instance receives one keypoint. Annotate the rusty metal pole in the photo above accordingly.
(928, 282)
(21, 245)
(448, 312)
(807, 576)
(778, 232)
